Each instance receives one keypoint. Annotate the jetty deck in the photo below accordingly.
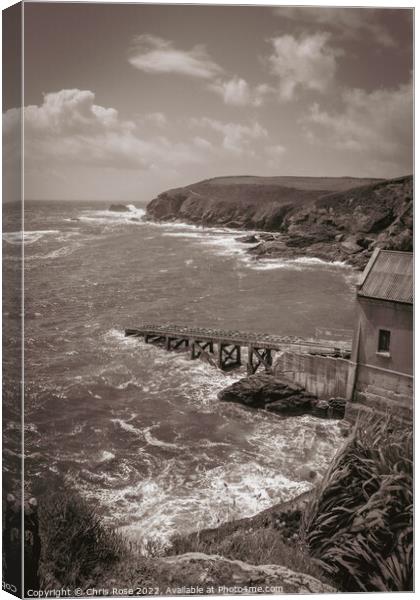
(223, 347)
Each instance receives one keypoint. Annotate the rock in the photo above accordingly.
(321, 408)
(269, 392)
(337, 407)
(256, 391)
(248, 239)
(119, 208)
(278, 395)
(350, 246)
(267, 237)
(335, 223)
(234, 224)
(365, 242)
(295, 404)
(199, 570)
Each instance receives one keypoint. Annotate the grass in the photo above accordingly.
(263, 546)
(75, 544)
(359, 524)
(355, 533)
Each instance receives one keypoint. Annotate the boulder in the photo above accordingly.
(321, 409)
(350, 246)
(337, 407)
(199, 570)
(248, 239)
(256, 390)
(280, 396)
(267, 237)
(295, 404)
(119, 208)
(269, 392)
(234, 224)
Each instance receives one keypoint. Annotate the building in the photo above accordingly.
(380, 376)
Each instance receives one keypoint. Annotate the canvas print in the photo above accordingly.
(207, 299)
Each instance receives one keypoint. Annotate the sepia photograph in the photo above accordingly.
(207, 299)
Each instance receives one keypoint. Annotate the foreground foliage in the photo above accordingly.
(75, 544)
(359, 524)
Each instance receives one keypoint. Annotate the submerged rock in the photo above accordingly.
(119, 208)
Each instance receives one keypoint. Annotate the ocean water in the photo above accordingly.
(137, 430)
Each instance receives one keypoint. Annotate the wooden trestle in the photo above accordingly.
(223, 348)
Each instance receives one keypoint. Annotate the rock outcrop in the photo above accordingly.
(280, 396)
(119, 208)
(333, 219)
(198, 570)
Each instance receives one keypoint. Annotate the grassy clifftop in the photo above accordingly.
(245, 201)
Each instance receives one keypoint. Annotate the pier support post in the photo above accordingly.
(257, 357)
(229, 356)
(198, 348)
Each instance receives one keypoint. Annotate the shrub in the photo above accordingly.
(359, 524)
(75, 544)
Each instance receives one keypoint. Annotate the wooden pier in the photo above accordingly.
(223, 347)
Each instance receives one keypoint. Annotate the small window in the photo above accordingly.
(384, 341)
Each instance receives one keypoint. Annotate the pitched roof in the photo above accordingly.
(388, 276)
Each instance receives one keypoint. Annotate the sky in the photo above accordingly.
(123, 101)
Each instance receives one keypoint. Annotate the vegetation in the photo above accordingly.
(263, 546)
(74, 542)
(359, 524)
(355, 533)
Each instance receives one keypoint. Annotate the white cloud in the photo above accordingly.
(238, 92)
(69, 128)
(156, 118)
(378, 125)
(153, 54)
(305, 62)
(350, 23)
(236, 137)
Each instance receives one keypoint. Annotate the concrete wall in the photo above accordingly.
(322, 376)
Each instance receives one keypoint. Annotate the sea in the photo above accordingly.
(137, 430)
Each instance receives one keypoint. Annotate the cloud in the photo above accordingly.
(305, 62)
(156, 118)
(237, 92)
(69, 128)
(349, 23)
(153, 54)
(274, 155)
(377, 125)
(236, 137)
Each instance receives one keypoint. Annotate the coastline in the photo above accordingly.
(344, 225)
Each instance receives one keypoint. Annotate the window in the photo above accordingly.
(384, 341)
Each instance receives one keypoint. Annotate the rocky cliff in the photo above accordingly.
(330, 218)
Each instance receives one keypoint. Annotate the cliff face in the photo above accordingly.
(244, 202)
(331, 218)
